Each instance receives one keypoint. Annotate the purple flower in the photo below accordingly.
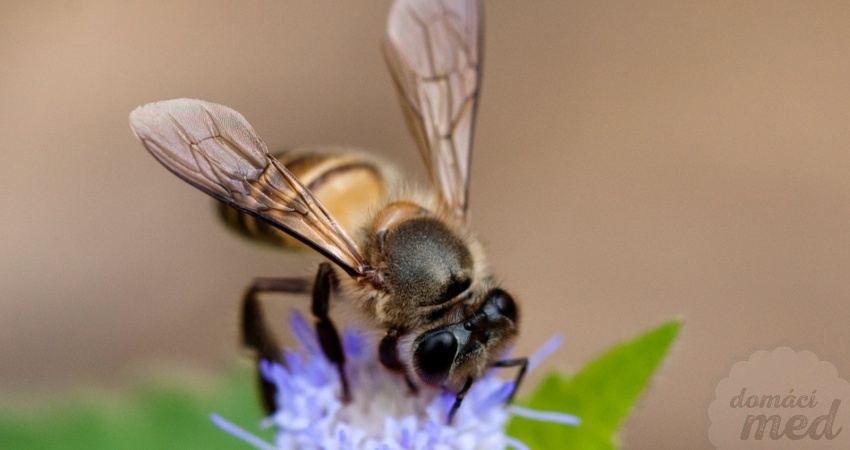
(383, 413)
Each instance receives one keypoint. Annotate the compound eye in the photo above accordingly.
(434, 356)
(503, 303)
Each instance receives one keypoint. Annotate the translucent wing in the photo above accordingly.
(215, 149)
(433, 50)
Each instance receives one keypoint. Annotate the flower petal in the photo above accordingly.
(240, 433)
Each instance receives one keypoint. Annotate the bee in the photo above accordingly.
(406, 258)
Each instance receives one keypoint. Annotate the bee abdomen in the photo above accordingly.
(346, 182)
(250, 226)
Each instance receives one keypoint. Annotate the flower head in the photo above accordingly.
(384, 413)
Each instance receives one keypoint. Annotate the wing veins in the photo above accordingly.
(434, 57)
(214, 149)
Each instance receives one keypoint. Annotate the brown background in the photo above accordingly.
(635, 161)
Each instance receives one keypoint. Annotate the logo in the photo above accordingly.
(781, 399)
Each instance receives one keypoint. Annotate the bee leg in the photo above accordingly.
(410, 385)
(459, 398)
(523, 366)
(328, 336)
(388, 356)
(256, 334)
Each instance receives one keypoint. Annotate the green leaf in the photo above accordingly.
(155, 415)
(602, 394)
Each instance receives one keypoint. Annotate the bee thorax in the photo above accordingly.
(426, 263)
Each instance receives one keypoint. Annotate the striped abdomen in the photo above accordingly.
(346, 182)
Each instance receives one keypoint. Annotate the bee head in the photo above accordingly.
(448, 355)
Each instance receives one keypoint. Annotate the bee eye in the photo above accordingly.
(503, 303)
(434, 356)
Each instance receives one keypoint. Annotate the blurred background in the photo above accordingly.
(633, 162)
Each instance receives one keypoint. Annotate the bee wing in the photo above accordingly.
(213, 148)
(433, 49)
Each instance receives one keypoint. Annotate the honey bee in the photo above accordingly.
(411, 264)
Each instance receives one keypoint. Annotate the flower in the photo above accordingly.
(383, 414)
